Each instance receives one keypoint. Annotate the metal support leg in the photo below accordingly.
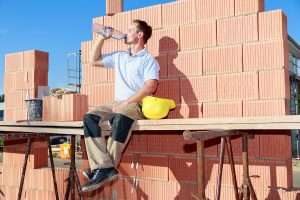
(220, 169)
(73, 177)
(52, 169)
(247, 187)
(200, 171)
(24, 168)
(231, 161)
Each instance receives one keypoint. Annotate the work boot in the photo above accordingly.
(100, 177)
(88, 173)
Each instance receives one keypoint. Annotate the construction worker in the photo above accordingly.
(136, 76)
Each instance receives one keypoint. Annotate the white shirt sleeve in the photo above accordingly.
(110, 60)
(151, 70)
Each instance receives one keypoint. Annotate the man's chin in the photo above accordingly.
(127, 42)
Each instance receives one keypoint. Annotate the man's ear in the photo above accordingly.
(140, 34)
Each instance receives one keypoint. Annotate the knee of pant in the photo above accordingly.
(121, 125)
(88, 118)
(91, 127)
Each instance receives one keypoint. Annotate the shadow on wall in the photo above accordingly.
(168, 50)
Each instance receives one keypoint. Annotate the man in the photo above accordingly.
(136, 76)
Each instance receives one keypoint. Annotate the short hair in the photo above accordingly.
(143, 27)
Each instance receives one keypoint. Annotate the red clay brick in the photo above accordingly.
(278, 141)
(152, 15)
(222, 109)
(238, 86)
(198, 35)
(120, 21)
(30, 79)
(114, 6)
(13, 100)
(34, 59)
(20, 114)
(138, 143)
(186, 189)
(182, 168)
(213, 9)
(167, 88)
(274, 84)
(186, 63)
(198, 89)
(266, 55)
(266, 108)
(243, 7)
(14, 62)
(272, 25)
(160, 143)
(223, 59)
(182, 12)
(101, 94)
(190, 110)
(86, 48)
(152, 189)
(69, 107)
(237, 30)
(92, 74)
(9, 83)
(153, 167)
(125, 164)
(164, 40)
(162, 59)
(97, 20)
(8, 114)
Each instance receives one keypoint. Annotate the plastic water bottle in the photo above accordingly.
(105, 30)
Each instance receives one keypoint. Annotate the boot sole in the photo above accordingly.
(96, 186)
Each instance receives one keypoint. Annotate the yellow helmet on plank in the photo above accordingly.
(156, 108)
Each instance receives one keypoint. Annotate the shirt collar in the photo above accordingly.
(140, 53)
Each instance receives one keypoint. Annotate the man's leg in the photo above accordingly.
(98, 155)
(121, 130)
(100, 161)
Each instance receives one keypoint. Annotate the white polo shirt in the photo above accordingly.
(131, 72)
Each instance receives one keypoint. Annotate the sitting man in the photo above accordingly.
(136, 76)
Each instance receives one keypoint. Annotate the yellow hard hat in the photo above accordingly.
(156, 108)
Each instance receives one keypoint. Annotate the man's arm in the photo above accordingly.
(95, 58)
(148, 89)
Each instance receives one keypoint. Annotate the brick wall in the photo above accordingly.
(218, 59)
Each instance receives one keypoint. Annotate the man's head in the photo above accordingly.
(139, 30)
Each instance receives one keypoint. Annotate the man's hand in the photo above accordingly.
(109, 32)
(118, 106)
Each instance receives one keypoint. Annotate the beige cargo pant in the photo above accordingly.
(100, 154)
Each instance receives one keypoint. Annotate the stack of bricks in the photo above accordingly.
(67, 107)
(38, 183)
(224, 58)
(24, 72)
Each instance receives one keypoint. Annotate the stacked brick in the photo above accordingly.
(68, 107)
(224, 58)
(24, 72)
(218, 59)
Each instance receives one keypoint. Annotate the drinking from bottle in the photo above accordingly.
(106, 30)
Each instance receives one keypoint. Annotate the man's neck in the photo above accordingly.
(136, 48)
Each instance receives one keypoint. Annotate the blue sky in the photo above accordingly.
(58, 27)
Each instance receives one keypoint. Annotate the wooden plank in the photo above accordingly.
(190, 121)
(253, 123)
(63, 131)
(42, 123)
